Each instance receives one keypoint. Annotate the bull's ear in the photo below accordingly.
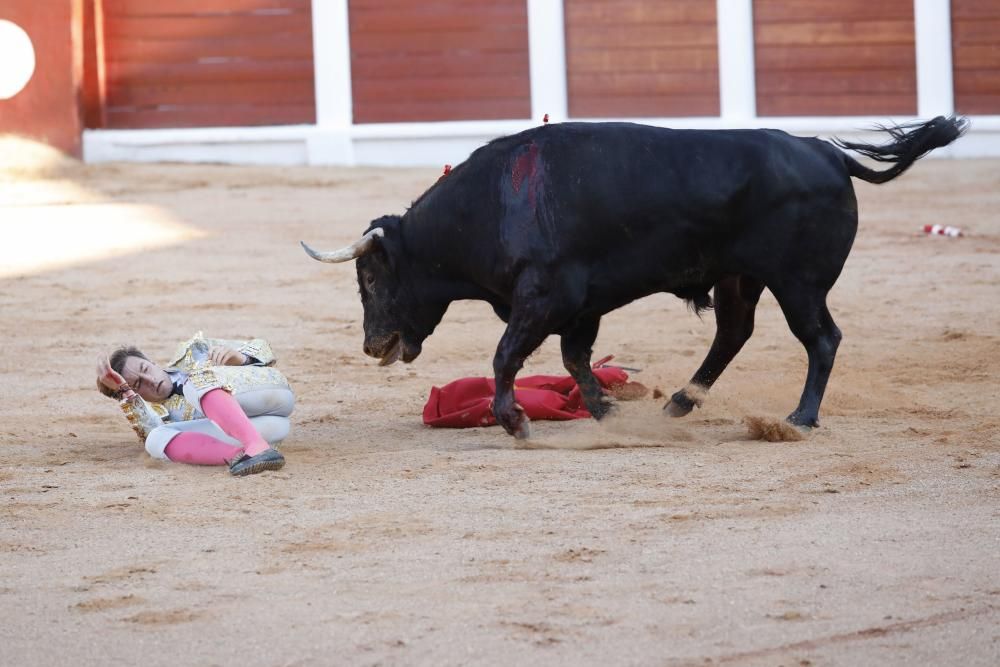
(361, 247)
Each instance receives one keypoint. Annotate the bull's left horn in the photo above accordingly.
(362, 246)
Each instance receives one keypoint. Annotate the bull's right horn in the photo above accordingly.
(362, 246)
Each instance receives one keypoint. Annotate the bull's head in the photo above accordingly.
(398, 316)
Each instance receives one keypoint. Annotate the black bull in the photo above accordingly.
(560, 224)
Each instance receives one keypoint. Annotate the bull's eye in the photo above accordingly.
(370, 281)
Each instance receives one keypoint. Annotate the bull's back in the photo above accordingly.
(623, 183)
(644, 209)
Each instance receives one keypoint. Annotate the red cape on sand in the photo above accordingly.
(468, 401)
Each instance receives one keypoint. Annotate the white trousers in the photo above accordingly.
(268, 409)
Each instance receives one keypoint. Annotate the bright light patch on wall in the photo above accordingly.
(17, 59)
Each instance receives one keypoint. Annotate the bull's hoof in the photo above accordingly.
(516, 423)
(804, 422)
(680, 405)
(604, 407)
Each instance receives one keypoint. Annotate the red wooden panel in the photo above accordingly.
(966, 32)
(439, 60)
(851, 57)
(226, 115)
(842, 81)
(121, 74)
(658, 83)
(434, 18)
(979, 103)
(195, 94)
(458, 43)
(694, 59)
(47, 108)
(795, 11)
(647, 106)
(439, 88)
(640, 36)
(398, 66)
(819, 58)
(94, 70)
(128, 49)
(641, 58)
(388, 111)
(840, 105)
(975, 46)
(628, 12)
(978, 56)
(835, 32)
(208, 27)
(193, 63)
(191, 7)
(974, 9)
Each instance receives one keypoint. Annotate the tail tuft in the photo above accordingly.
(910, 142)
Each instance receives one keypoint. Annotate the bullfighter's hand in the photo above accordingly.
(226, 356)
(108, 376)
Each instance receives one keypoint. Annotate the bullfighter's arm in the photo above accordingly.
(140, 415)
(257, 350)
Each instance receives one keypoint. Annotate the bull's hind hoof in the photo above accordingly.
(523, 430)
(680, 405)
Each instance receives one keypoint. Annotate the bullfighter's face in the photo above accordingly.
(147, 379)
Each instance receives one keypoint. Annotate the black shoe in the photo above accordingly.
(269, 459)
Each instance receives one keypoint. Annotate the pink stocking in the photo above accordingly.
(219, 406)
(199, 449)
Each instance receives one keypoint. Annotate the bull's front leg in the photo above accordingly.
(539, 307)
(522, 337)
(577, 347)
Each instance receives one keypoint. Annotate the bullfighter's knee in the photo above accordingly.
(158, 439)
(272, 428)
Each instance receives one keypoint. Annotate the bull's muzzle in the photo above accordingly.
(387, 349)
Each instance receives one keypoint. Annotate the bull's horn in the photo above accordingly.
(362, 246)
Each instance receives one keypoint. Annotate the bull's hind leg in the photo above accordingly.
(809, 319)
(576, 343)
(735, 299)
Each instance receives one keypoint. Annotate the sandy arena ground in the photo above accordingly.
(641, 540)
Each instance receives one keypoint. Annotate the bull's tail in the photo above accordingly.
(910, 142)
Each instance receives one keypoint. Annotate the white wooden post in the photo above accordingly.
(935, 92)
(330, 143)
(737, 88)
(547, 55)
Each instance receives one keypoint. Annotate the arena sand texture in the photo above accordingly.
(640, 541)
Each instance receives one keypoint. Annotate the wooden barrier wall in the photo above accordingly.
(437, 60)
(197, 63)
(835, 58)
(975, 42)
(637, 58)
